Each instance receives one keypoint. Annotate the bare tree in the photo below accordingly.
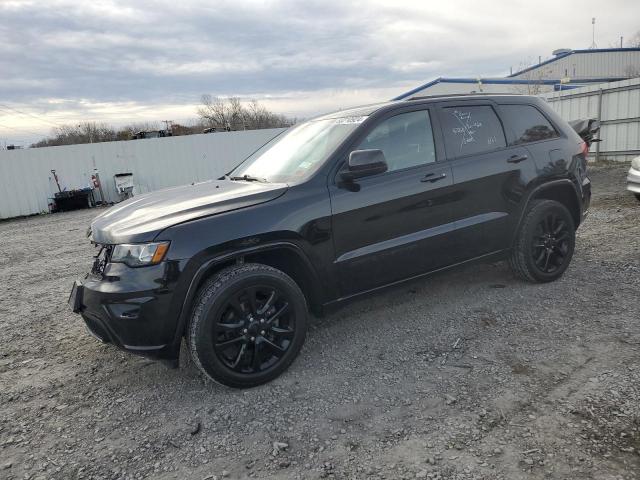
(127, 132)
(86, 132)
(191, 128)
(91, 132)
(214, 112)
(231, 114)
(221, 113)
(534, 85)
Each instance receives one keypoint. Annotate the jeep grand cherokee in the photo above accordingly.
(334, 208)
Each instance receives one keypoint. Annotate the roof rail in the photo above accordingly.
(445, 95)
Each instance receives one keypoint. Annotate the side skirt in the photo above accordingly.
(486, 258)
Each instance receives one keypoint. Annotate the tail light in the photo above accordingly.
(584, 149)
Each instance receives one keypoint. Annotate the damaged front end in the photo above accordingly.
(127, 298)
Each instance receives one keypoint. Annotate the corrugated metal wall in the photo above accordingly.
(616, 104)
(26, 182)
(614, 63)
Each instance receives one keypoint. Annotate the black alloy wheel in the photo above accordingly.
(247, 325)
(550, 246)
(253, 329)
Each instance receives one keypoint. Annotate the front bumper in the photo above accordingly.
(633, 180)
(131, 308)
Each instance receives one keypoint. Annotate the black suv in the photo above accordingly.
(336, 207)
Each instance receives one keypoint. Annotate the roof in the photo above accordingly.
(573, 52)
(367, 110)
(498, 81)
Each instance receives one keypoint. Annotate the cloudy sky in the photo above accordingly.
(123, 61)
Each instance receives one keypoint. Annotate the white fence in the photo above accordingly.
(616, 105)
(27, 184)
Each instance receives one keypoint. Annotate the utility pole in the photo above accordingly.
(593, 34)
(166, 124)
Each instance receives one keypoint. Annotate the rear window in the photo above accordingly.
(471, 130)
(528, 124)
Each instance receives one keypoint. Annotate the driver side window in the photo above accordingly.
(405, 139)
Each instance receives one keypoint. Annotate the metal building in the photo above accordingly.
(453, 86)
(604, 64)
(567, 69)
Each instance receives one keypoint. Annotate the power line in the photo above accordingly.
(29, 114)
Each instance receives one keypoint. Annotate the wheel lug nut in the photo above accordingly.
(245, 330)
(262, 332)
(253, 339)
(262, 320)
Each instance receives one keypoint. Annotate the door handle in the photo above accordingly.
(431, 177)
(517, 158)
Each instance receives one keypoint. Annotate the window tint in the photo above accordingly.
(527, 123)
(471, 130)
(406, 140)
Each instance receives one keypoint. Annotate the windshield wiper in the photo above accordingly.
(249, 178)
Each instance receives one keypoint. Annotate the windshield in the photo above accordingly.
(298, 153)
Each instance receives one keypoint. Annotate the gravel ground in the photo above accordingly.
(467, 375)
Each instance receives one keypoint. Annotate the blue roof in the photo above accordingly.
(504, 81)
(571, 52)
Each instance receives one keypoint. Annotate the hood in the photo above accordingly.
(141, 218)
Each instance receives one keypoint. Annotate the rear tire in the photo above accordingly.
(247, 325)
(545, 242)
(637, 195)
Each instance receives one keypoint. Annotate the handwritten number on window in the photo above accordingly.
(467, 127)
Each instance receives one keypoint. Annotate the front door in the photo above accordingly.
(394, 225)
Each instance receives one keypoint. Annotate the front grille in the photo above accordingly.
(101, 259)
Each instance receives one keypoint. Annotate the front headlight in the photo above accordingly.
(139, 254)
(635, 163)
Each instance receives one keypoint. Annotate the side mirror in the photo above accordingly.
(364, 163)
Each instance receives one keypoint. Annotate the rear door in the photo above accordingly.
(490, 176)
(397, 224)
(530, 128)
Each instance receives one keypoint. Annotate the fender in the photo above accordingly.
(205, 268)
(553, 183)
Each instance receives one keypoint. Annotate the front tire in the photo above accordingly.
(545, 242)
(637, 195)
(247, 325)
